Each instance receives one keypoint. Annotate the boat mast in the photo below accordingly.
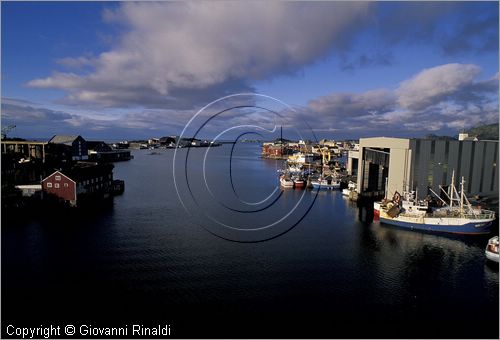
(452, 186)
(462, 196)
(438, 195)
(281, 140)
(386, 186)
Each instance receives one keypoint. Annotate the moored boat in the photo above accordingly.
(298, 182)
(286, 182)
(458, 218)
(351, 186)
(491, 250)
(325, 184)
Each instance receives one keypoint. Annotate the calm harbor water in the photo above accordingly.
(145, 260)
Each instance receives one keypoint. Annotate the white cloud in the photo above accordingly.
(442, 97)
(435, 84)
(169, 47)
(350, 104)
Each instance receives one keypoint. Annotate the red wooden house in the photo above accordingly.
(83, 180)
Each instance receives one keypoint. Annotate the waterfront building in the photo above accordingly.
(420, 164)
(77, 146)
(82, 181)
(352, 162)
(270, 150)
(465, 136)
(99, 151)
(167, 141)
(328, 142)
(29, 190)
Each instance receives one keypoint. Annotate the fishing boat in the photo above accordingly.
(457, 217)
(491, 251)
(286, 182)
(321, 183)
(294, 169)
(408, 201)
(298, 182)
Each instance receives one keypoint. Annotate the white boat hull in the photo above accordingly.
(492, 256)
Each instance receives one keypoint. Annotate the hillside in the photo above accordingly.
(489, 131)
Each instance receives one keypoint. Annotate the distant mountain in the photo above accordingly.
(436, 137)
(489, 131)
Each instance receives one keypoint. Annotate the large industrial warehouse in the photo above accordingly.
(419, 164)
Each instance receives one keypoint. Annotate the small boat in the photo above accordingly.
(491, 251)
(298, 182)
(408, 201)
(295, 169)
(286, 182)
(351, 186)
(325, 184)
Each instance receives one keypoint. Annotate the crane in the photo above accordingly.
(7, 129)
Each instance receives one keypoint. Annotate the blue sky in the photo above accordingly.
(133, 70)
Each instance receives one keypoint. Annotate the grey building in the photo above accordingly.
(75, 144)
(420, 164)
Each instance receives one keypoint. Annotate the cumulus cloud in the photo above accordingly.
(32, 119)
(206, 47)
(76, 62)
(24, 111)
(445, 97)
(435, 84)
(354, 104)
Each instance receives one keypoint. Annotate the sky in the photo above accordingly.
(344, 70)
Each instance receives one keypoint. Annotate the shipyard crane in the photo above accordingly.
(7, 129)
(326, 155)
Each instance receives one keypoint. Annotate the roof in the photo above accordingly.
(98, 145)
(85, 170)
(29, 186)
(63, 139)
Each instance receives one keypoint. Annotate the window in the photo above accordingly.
(49, 185)
(56, 185)
(65, 185)
(58, 178)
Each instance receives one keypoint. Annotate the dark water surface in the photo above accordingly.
(144, 260)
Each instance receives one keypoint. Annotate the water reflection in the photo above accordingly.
(145, 258)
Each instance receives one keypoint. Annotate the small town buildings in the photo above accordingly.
(94, 146)
(465, 136)
(167, 141)
(327, 142)
(154, 141)
(82, 181)
(77, 146)
(99, 151)
(271, 150)
(121, 145)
